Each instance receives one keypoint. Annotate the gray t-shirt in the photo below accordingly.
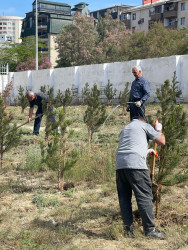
(133, 145)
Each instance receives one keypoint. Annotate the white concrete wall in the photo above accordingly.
(156, 70)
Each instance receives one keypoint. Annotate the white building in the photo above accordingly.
(172, 13)
(11, 26)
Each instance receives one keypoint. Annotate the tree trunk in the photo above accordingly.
(62, 168)
(123, 111)
(1, 160)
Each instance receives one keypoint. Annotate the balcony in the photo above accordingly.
(156, 16)
(171, 25)
(127, 23)
(170, 14)
(42, 25)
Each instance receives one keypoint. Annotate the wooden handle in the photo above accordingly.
(28, 122)
(153, 162)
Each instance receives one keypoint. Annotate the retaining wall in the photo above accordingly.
(156, 70)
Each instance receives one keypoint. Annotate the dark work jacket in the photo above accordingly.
(40, 99)
(140, 90)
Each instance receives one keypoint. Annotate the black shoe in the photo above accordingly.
(155, 234)
(129, 231)
(34, 133)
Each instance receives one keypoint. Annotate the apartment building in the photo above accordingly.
(82, 8)
(10, 28)
(172, 13)
(52, 17)
(115, 11)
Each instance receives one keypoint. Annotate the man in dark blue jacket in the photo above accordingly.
(140, 92)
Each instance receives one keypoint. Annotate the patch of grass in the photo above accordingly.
(32, 161)
(114, 231)
(101, 165)
(14, 186)
(42, 202)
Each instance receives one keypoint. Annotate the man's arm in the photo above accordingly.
(30, 114)
(146, 91)
(160, 140)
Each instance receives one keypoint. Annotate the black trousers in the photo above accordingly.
(39, 119)
(139, 182)
(136, 111)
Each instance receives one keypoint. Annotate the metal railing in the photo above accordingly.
(4, 69)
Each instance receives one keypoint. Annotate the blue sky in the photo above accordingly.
(20, 7)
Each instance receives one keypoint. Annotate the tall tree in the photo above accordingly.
(112, 34)
(77, 43)
(157, 42)
(16, 53)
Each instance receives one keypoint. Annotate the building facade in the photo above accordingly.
(52, 17)
(115, 11)
(171, 13)
(82, 8)
(10, 28)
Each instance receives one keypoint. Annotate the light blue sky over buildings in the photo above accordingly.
(20, 7)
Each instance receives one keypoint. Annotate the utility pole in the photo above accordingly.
(36, 32)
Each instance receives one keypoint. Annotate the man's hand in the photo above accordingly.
(152, 151)
(158, 126)
(138, 103)
(29, 119)
(128, 108)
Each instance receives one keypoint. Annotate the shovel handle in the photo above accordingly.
(28, 122)
(153, 162)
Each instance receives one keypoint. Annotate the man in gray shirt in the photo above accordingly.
(132, 173)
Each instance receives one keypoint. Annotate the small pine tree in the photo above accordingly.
(43, 89)
(56, 154)
(95, 113)
(9, 134)
(110, 92)
(22, 100)
(67, 98)
(124, 97)
(49, 112)
(175, 127)
(59, 99)
(85, 93)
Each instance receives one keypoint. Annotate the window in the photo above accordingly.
(182, 6)
(9, 28)
(134, 16)
(159, 9)
(183, 21)
(151, 11)
(141, 21)
(30, 22)
(9, 23)
(4, 23)
(122, 17)
(0, 23)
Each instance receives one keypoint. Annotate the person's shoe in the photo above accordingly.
(155, 234)
(34, 133)
(129, 231)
